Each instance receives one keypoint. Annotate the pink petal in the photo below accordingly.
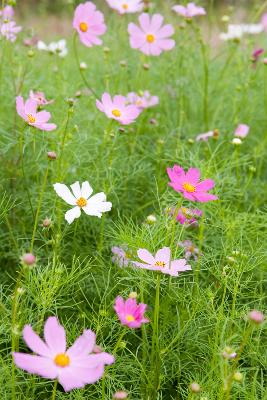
(134, 30)
(205, 185)
(75, 378)
(164, 255)
(46, 127)
(30, 106)
(155, 49)
(166, 44)
(83, 345)
(165, 31)
(35, 343)
(144, 21)
(55, 335)
(192, 176)
(42, 366)
(42, 117)
(156, 22)
(146, 256)
(180, 265)
(203, 197)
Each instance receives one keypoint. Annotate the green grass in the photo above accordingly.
(201, 311)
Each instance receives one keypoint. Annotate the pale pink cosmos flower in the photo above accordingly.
(126, 6)
(73, 368)
(89, 23)
(152, 37)
(130, 313)
(120, 256)
(40, 98)
(118, 109)
(188, 184)
(206, 136)
(10, 30)
(190, 250)
(7, 13)
(189, 11)
(161, 262)
(242, 130)
(145, 100)
(188, 216)
(256, 316)
(29, 113)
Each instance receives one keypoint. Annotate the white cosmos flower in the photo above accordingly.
(237, 31)
(80, 199)
(59, 48)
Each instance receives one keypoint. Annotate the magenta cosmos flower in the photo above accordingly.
(130, 313)
(188, 184)
(118, 109)
(152, 38)
(188, 216)
(145, 100)
(242, 131)
(74, 368)
(28, 112)
(126, 6)
(89, 23)
(189, 11)
(161, 262)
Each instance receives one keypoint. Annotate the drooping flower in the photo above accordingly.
(242, 131)
(89, 23)
(191, 251)
(205, 136)
(10, 30)
(152, 37)
(81, 200)
(126, 6)
(189, 11)
(188, 216)
(161, 262)
(236, 32)
(29, 113)
(120, 256)
(130, 313)
(40, 98)
(58, 48)
(145, 100)
(73, 368)
(188, 184)
(118, 109)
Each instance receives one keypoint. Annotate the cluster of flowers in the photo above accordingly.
(8, 27)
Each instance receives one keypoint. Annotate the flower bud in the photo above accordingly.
(195, 388)
(123, 63)
(256, 317)
(31, 53)
(146, 66)
(120, 395)
(46, 222)
(133, 295)
(52, 155)
(237, 141)
(106, 50)
(28, 259)
(151, 219)
(238, 377)
(83, 66)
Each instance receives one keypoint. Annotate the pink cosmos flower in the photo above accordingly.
(118, 109)
(189, 11)
(242, 130)
(89, 23)
(130, 313)
(10, 30)
(188, 216)
(188, 184)
(256, 316)
(74, 368)
(205, 136)
(126, 6)
(29, 113)
(146, 100)
(191, 251)
(7, 13)
(40, 99)
(120, 256)
(151, 37)
(161, 262)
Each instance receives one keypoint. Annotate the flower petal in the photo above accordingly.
(64, 192)
(42, 366)
(163, 255)
(86, 190)
(55, 335)
(72, 214)
(83, 345)
(146, 256)
(35, 343)
(76, 189)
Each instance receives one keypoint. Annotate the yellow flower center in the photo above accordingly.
(83, 27)
(160, 264)
(138, 102)
(81, 202)
(188, 187)
(150, 38)
(31, 118)
(62, 360)
(130, 318)
(116, 112)
(125, 6)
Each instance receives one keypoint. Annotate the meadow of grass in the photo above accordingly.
(193, 317)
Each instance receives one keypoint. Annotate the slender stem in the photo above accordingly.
(54, 393)
(155, 339)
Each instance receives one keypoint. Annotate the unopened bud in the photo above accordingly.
(28, 259)
(133, 295)
(195, 388)
(120, 395)
(256, 316)
(47, 222)
(83, 66)
(237, 141)
(146, 66)
(52, 155)
(238, 377)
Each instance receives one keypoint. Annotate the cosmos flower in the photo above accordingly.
(228, 353)
(145, 100)
(126, 6)
(89, 23)
(255, 316)
(29, 113)
(59, 48)
(257, 53)
(118, 109)
(236, 32)
(80, 199)
(161, 262)
(152, 37)
(191, 251)
(188, 216)
(242, 130)
(7, 14)
(120, 256)
(73, 368)
(10, 30)
(205, 136)
(188, 184)
(40, 99)
(189, 11)
(130, 313)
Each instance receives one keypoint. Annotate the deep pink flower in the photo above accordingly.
(74, 368)
(40, 99)
(145, 100)
(89, 23)
(188, 184)
(189, 11)
(29, 113)
(118, 109)
(242, 130)
(130, 313)
(161, 262)
(7, 13)
(126, 6)
(188, 216)
(151, 37)
(10, 30)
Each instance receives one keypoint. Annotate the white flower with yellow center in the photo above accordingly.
(80, 199)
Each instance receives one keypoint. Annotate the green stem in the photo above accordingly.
(54, 393)
(155, 356)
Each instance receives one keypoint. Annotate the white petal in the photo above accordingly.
(72, 214)
(86, 190)
(98, 197)
(96, 208)
(75, 187)
(64, 192)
